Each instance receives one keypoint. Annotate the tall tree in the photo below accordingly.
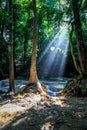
(72, 51)
(79, 35)
(11, 61)
(33, 72)
(14, 37)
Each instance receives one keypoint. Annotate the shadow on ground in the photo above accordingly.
(50, 116)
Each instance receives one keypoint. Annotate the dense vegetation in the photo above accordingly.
(28, 22)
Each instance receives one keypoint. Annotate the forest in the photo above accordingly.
(43, 56)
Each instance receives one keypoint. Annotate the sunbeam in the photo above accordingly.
(54, 57)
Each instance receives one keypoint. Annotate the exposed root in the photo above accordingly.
(60, 93)
(38, 86)
(77, 87)
(42, 89)
(21, 89)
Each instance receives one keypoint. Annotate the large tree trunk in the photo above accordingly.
(14, 38)
(33, 72)
(1, 45)
(78, 29)
(11, 61)
(72, 52)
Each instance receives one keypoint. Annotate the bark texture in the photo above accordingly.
(79, 35)
(11, 61)
(72, 53)
(33, 72)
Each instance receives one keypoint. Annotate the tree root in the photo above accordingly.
(40, 87)
(77, 87)
(43, 90)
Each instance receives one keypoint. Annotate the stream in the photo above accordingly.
(53, 85)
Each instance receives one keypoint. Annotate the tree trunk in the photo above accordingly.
(33, 72)
(11, 61)
(78, 29)
(14, 37)
(25, 46)
(1, 41)
(72, 53)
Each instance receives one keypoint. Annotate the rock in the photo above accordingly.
(21, 88)
(65, 127)
(11, 108)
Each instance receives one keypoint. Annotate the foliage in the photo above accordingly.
(51, 15)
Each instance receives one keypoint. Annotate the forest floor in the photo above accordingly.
(33, 111)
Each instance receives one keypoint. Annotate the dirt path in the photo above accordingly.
(36, 112)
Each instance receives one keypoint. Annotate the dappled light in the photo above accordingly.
(42, 113)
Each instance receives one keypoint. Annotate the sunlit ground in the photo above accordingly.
(55, 56)
(36, 112)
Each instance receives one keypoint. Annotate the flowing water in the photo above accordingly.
(4, 84)
(53, 85)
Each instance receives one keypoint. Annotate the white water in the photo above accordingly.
(4, 84)
(53, 85)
